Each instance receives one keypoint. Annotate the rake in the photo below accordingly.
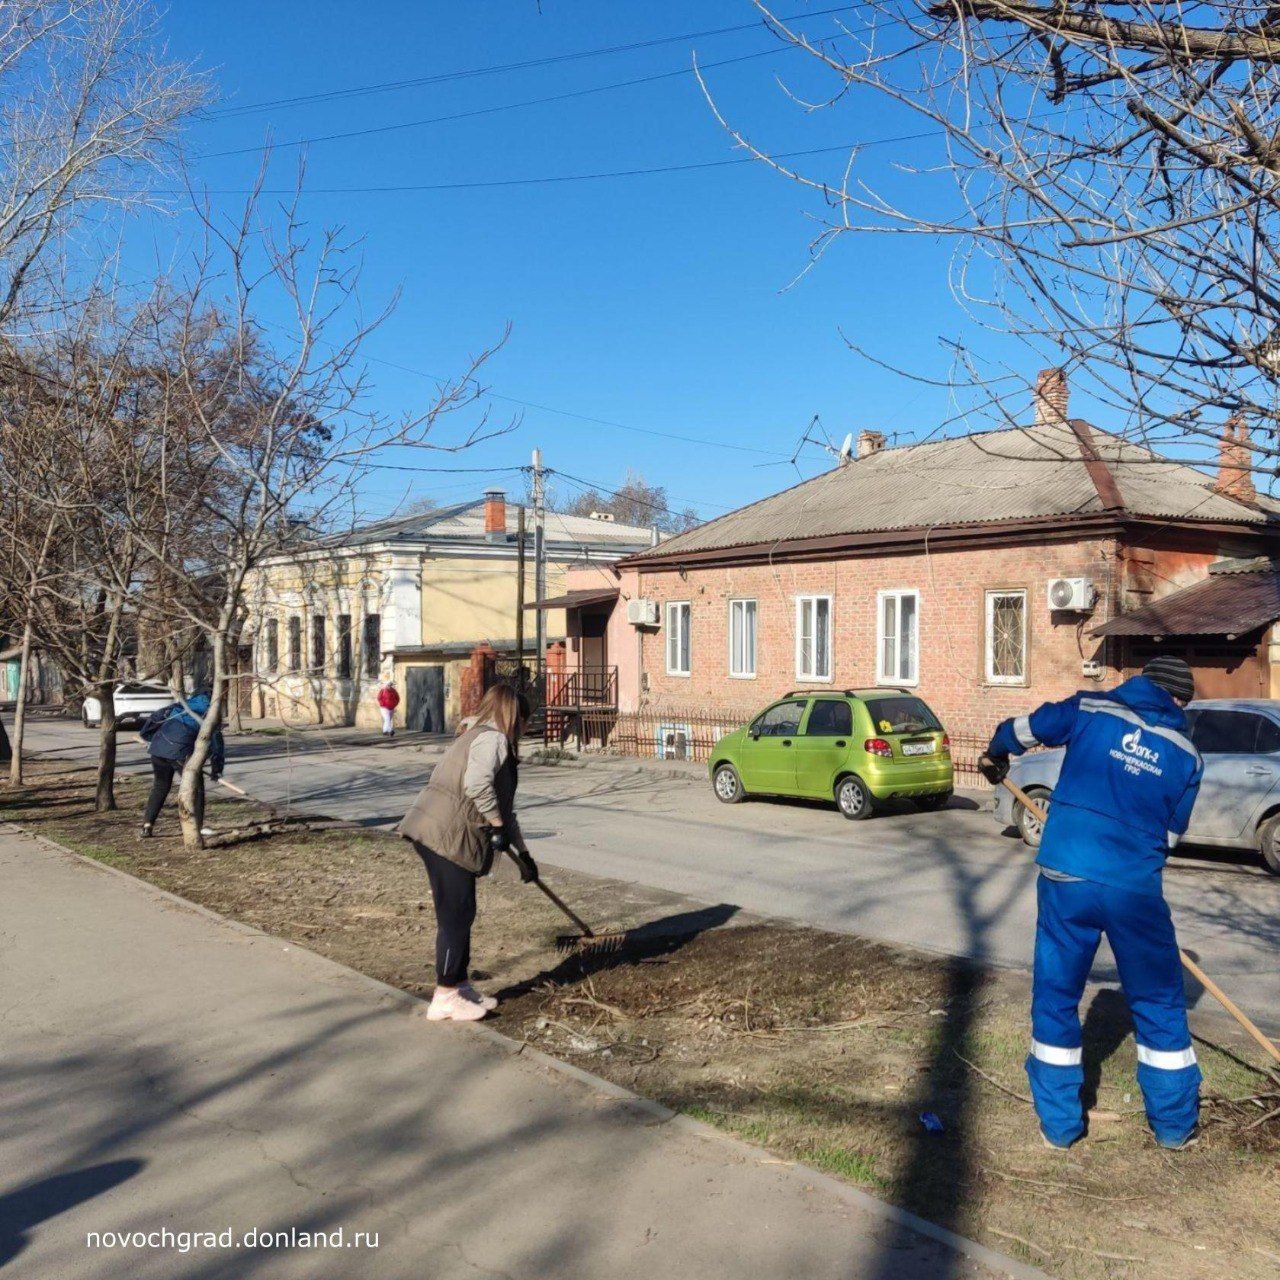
(586, 941)
(1188, 963)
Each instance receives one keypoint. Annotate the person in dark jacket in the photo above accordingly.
(1129, 779)
(170, 735)
(460, 821)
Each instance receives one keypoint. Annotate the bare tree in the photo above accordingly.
(1117, 170)
(274, 419)
(91, 107)
(635, 501)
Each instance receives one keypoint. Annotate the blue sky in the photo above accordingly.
(655, 302)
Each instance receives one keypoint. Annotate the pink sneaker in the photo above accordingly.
(489, 1002)
(449, 1003)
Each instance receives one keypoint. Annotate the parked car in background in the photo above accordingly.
(1239, 802)
(859, 747)
(134, 702)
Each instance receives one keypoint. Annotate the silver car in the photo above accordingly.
(1239, 802)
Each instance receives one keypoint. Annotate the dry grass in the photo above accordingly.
(824, 1048)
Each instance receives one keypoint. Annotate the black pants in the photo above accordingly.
(453, 890)
(165, 771)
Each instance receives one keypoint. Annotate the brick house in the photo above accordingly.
(929, 566)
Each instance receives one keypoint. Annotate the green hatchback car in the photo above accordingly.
(858, 747)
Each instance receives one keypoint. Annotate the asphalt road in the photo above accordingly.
(948, 882)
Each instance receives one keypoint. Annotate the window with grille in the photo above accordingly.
(1006, 637)
(813, 637)
(295, 644)
(372, 645)
(742, 638)
(344, 646)
(898, 638)
(271, 647)
(318, 642)
(679, 616)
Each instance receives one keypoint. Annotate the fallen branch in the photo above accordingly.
(1261, 1120)
(1098, 1253)
(991, 1080)
(1008, 1235)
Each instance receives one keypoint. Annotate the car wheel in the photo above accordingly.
(1029, 827)
(1269, 844)
(853, 798)
(930, 803)
(727, 785)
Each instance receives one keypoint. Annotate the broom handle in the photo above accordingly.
(1188, 963)
(584, 928)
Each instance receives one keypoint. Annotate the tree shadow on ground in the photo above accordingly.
(29, 1205)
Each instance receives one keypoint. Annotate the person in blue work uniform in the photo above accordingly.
(170, 735)
(1128, 783)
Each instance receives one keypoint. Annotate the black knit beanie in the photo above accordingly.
(1173, 676)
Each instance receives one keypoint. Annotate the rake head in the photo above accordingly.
(590, 944)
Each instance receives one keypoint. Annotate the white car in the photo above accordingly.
(135, 701)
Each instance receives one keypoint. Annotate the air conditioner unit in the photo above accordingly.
(1071, 595)
(642, 613)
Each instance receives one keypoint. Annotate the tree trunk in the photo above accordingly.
(20, 708)
(203, 744)
(105, 800)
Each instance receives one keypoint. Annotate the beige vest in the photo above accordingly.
(445, 818)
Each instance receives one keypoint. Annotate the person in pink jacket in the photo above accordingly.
(388, 701)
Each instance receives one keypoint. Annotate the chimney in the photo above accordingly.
(1235, 461)
(1051, 398)
(495, 515)
(870, 442)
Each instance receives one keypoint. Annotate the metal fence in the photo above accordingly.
(690, 735)
(659, 735)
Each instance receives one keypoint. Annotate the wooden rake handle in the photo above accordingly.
(1188, 963)
(583, 927)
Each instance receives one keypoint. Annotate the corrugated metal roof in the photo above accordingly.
(464, 522)
(1013, 474)
(1224, 604)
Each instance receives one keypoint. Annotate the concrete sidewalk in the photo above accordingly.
(168, 1069)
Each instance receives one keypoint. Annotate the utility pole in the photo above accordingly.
(539, 558)
(520, 587)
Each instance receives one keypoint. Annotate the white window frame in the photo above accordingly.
(672, 631)
(813, 676)
(988, 644)
(739, 605)
(893, 678)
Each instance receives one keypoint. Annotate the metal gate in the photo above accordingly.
(424, 700)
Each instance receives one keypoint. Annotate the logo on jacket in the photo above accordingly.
(1137, 757)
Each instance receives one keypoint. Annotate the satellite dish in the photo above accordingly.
(846, 449)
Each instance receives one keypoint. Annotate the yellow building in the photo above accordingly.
(407, 600)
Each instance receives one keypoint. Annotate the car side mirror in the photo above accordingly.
(754, 735)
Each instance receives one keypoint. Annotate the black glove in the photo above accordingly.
(215, 777)
(994, 769)
(528, 868)
(499, 841)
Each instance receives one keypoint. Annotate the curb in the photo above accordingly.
(654, 1112)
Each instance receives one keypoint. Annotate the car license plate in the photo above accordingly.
(917, 748)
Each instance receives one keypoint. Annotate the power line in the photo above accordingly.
(570, 177)
(385, 86)
(580, 417)
(487, 111)
(589, 486)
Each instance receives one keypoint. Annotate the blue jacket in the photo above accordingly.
(171, 733)
(1129, 780)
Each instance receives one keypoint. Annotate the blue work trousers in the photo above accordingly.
(1073, 916)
